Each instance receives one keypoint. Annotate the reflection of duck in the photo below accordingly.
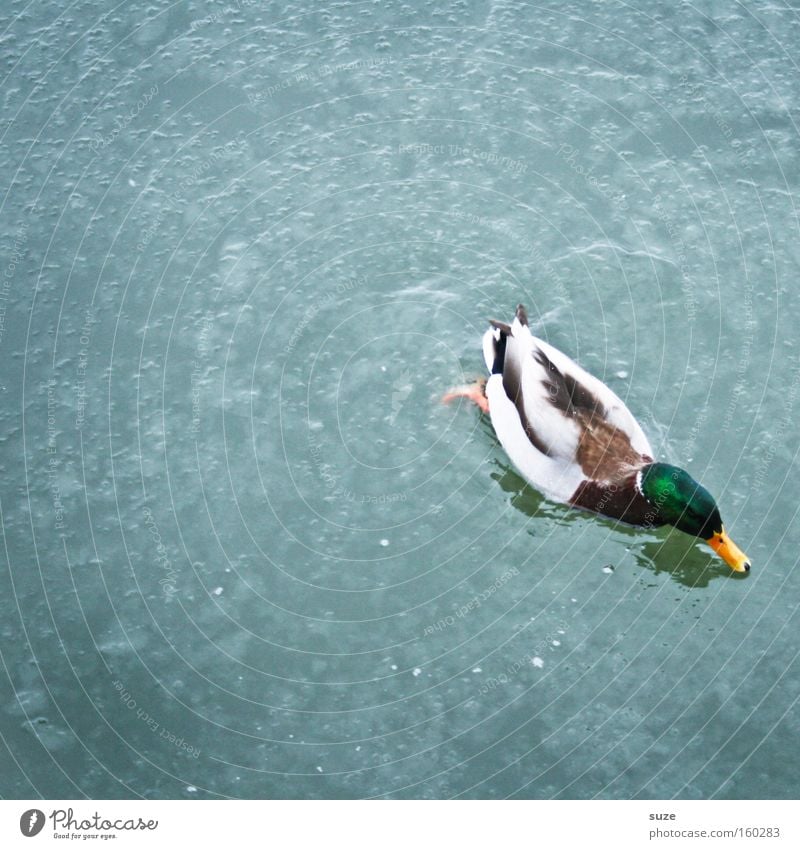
(670, 557)
(575, 440)
(657, 554)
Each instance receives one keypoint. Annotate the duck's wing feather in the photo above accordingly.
(551, 476)
(586, 392)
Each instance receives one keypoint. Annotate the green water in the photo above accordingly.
(246, 551)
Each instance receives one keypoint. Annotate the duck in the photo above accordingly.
(574, 440)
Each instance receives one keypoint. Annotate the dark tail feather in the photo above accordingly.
(501, 326)
(500, 351)
(505, 332)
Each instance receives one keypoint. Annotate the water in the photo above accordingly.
(246, 551)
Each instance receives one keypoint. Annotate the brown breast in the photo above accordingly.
(610, 462)
(618, 499)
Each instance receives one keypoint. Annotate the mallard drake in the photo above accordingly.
(575, 441)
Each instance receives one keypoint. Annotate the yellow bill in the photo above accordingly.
(729, 552)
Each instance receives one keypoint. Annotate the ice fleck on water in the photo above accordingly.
(218, 591)
(190, 788)
(477, 669)
(537, 662)
(319, 769)
(384, 542)
(608, 569)
(622, 374)
(416, 672)
(556, 642)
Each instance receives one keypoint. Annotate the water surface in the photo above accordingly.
(247, 553)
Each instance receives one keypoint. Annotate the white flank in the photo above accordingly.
(553, 478)
(558, 433)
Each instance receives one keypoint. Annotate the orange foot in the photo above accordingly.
(475, 392)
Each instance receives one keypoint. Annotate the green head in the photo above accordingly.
(676, 498)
